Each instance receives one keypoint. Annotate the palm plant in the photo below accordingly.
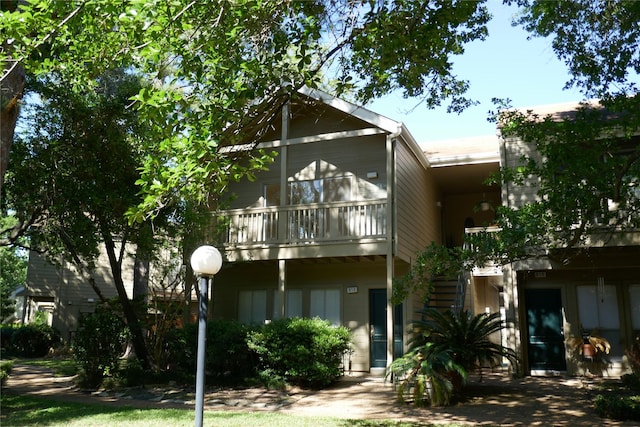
(467, 336)
(423, 372)
(444, 348)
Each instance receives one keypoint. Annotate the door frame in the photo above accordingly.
(525, 328)
(378, 314)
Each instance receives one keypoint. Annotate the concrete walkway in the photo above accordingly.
(497, 400)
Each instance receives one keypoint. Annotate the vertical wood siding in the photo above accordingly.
(418, 216)
(513, 150)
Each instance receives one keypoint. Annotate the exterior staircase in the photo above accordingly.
(449, 293)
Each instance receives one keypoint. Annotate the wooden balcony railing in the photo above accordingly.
(483, 237)
(305, 223)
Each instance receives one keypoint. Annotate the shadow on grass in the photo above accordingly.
(29, 411)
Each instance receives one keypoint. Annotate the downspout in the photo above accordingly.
(391, 237)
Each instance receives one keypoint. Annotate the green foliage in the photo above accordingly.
(29, 410)
(307, 352)
(5, 369)
(13, 273)
(221, 70)
(444, 348)
(228, 358)
(73, 171)
(33, 340)
(433, 262)
(583, 164)
(6, 332)
(595, 39)
(618, 407)
(425, 372)
(584, 167)
(98, 345)
(472, 339)
(131, 373)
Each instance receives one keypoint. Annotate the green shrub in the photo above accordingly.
(6, 333)
(228, 359)
(307, 352)
(34, 340)
(631, 381)
(618, 407)
(131, 373)
(5, 369)
(98, 344)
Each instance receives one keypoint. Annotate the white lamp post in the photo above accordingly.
(205, 262)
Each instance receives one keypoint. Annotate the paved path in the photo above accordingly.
(497, 400)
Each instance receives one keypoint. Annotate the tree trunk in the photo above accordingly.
(140, 279)
(137, 334)
(11, 86)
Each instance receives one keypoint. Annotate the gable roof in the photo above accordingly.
(375, 119)
(392, 127)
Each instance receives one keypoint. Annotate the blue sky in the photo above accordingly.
(505, 65)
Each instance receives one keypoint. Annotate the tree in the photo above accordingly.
(73, 176)
(586, 169)
(222, 69)
(13, 273)
(219, 73)
(586, 164)
(11, 87)
(597, 40)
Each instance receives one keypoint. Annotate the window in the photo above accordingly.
(634, 298)
(319, 191)
(314, 222)
(294, 303)
(293, 307)
(598, 309)
(252, 306)
(325, 304)
(271, 195)
(623, 211)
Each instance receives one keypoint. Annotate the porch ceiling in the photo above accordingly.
(331, 260)
(466, 178)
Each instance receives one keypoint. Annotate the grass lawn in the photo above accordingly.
(35, 411)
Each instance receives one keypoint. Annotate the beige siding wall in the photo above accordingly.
(418, 214)
(249, 194)
(312, 119)
(318, 119)
(71, 293)
(353, 157)
(306, 277)
(512, 152)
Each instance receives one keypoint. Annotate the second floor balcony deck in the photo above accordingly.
(318, 223)
(484, 233)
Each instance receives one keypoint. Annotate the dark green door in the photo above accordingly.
(378, 325)
(544, 329)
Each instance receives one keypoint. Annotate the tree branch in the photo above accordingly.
(50, 34)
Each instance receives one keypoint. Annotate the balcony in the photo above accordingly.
(305, 224)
